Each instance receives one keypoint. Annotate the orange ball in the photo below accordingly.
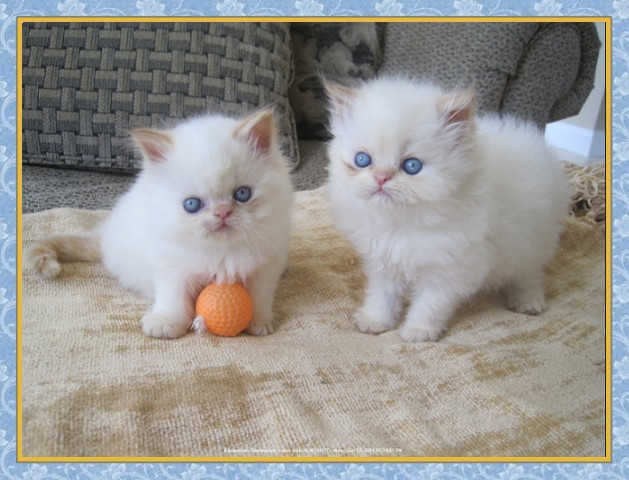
(226, 309)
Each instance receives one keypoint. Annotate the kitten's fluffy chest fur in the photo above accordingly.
(409, 241)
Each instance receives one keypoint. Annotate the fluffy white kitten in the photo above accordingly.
(440, 203)
(212, 203)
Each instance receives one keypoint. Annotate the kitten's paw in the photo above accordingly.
(260, 327)
(367, 324)
(44, 263)
(528, 304)
(163, 326)
(416, 334)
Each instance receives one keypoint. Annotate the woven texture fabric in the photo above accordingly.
(541, 72)
(552, 48)
(497, 384)
(85, 85)
(339, 51)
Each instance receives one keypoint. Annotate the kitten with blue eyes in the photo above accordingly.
(440, 203)
(212, 204)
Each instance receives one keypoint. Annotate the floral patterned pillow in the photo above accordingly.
(338, 51)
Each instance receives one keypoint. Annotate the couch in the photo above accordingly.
(497, 384)
(542, 72)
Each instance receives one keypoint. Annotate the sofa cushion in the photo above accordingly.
(456, 54)
(338, 51)
(562, 57)
(85, 85)
(540, 71)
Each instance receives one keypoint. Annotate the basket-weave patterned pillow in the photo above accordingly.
(85, 85)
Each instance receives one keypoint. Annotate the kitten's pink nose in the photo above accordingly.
(381, 178)
(223, 211)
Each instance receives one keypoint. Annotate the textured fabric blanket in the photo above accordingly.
(497, 384)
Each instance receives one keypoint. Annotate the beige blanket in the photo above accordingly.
(497, 384)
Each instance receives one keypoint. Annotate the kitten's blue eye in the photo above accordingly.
(412, 166)
(192, 204)
(362, 160)
(242, 194)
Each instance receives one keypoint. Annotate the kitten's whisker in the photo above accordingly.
(265, 239)
(259, 235)
(246, 230)
(251, 244)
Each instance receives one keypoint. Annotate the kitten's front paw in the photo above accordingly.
(415, 334)
(163, 326)
(367, 324)
(260, 327)
(527, 304)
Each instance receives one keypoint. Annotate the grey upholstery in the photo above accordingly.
(87, 84)
(539, 71)
(555, 74)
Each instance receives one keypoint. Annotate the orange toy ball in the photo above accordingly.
(226, 309)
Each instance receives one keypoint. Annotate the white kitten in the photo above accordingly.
(212, 203)
(440, 204)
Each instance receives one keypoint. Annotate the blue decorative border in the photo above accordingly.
(617, 9)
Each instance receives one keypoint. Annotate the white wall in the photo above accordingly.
(584, 134)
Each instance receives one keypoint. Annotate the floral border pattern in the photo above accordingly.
(618, 10)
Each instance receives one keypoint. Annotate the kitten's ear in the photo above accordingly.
(258, 129)
(154, 144)
(341, 97)
(458, 108)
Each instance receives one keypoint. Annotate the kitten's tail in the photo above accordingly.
(45, 257)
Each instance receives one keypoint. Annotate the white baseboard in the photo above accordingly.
(579, 140)
(597, 148)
